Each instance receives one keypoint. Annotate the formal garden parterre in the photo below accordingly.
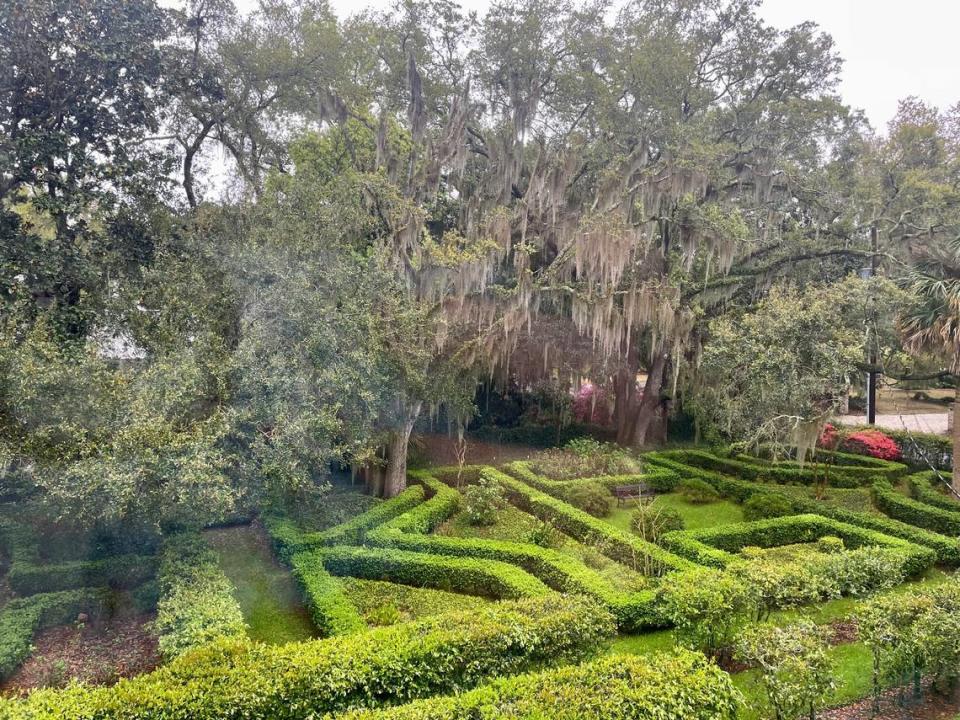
(476, 573)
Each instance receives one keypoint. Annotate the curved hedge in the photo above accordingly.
(253, 681)
(523, 470)
(288, 538)
(914, 512)
(713, 546)
(947, 548)
(842, 476)
(329, 607)
(682, 684)
(614, 543)
(467, 575)
(923, 487)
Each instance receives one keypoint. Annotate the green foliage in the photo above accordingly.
(830, 544)
(697, 491)
(651, 521)
(481, 501)
(621, 546)
(592, 497)
(461, 574)
(914, 512)
(122, 571)
(196, 604)
(761, 506)
(545, 535)
(766, 373)
(20, 618)
(708, 608)
(794, 667)
(620, 687)
(330, 609)
(585, 457)
(926, 487)
(446, 653)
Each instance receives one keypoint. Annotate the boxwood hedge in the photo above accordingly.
(914, 512)
(682, 684)
(488, 578)
(196, 603)
(712, 546)
(254, 681)
(923, 487)
(616, 544)
(330, 608)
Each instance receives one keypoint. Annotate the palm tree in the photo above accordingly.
(933, 324)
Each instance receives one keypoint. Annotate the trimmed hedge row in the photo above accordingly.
(899, 506)
(922, 487)
(947, 548)
(330, 608)
(560, 572)
(122, 571)
(22, 617)
(917, 448)
(682, 684)
(254, 681)
(470, 576)
(787, 473)
(614, 543)
(196, 602)
(712, 546)
(522, 470)
(288, 538)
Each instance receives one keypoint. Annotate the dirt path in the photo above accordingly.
(98, 653)
(439, 449)
(267, 593)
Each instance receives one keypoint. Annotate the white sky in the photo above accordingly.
(892, 48)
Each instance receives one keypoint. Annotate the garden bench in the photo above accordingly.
(632, 492)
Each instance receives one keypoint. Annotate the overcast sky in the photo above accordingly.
(892, 48)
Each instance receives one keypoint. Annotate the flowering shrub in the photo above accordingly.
(591, 405)
(829, 438)
(873, 443)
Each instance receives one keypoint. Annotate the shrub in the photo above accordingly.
(830, 544)
(829, 437)
(697, 491)
(593, 498)
(20, 618)
(623, 547)
(872, 443)
(795, 669)
(330, 609)
(621, 687)
(707, 607)
(481, 502)
(196, 602)
(488, 578)
(762, 506)
(544, 535)
(650, 521)
(911, 511)
(122, 571)
(585, 457)
(255, 681)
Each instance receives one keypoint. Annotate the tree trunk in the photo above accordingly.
(395, 480)
(956, 438)
(650, 406)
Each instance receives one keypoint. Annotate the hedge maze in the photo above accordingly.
(553, 609)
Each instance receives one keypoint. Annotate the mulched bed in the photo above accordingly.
(931, 707)
(843, 631)
(440, 450)
(98, 653)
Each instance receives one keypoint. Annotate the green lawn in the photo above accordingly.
(385, 603)
(694, 517)
(265, 590)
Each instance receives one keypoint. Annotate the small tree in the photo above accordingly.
(481, 502)
(794, 667)
(708, 609)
